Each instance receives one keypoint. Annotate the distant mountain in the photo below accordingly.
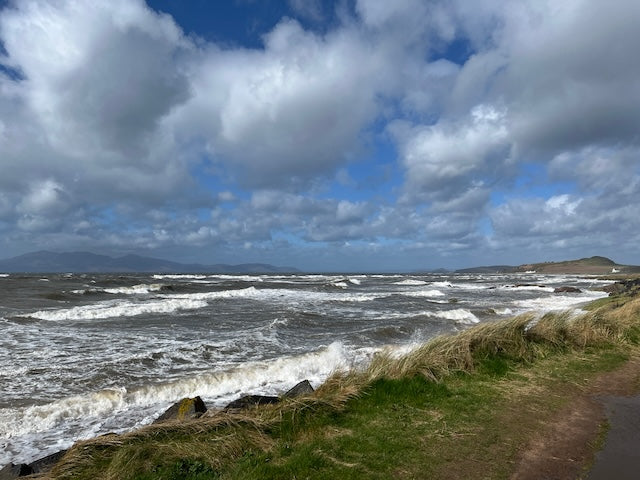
(83, 262)
(584, 266)
(489, 269)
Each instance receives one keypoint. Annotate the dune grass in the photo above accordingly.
(460, 406)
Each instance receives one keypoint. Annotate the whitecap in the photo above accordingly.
(136, 289)
(424, 293)
(459, 315)
(557, 302)
(410, 282)
(117, 309)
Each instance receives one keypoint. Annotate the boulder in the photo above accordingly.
(185, 409)
(302, 388)
(251, 400)
(11, 471)
(44, 464)
(567, 290)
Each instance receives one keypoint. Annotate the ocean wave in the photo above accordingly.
(424, 293)
(136, 289)
(410, 282)
(118, 309)
(536, 288)
(557, 302)
(280, 295)
(40, 429)
(179, 277)
(459, 315)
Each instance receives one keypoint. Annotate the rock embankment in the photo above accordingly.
(623, 287)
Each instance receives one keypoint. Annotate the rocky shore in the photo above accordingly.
(183, 410)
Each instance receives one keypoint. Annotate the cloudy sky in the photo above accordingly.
(326, 135)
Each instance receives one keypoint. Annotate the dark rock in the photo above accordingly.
(44, 464)
(528, 285)
(614, 288)
(302, 388)
(251, 400)
(185, 409)
(11, 471)
(622, 287)
(567, 290)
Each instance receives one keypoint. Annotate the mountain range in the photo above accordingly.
(84, 262)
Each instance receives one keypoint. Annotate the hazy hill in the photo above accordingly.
(584, 266)
(82, 262)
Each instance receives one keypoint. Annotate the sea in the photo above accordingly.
(84, 354)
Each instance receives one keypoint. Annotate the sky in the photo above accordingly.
(348, 135)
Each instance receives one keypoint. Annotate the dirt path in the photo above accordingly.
(565, 448)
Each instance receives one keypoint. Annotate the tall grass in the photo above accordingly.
(220, 438)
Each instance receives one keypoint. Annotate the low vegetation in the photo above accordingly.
(460, 406)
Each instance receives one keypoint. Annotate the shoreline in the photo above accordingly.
(322, 387)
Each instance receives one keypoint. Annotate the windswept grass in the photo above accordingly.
(458, 403)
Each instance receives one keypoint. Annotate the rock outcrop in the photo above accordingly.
(567, 290)
(40, 466)
(185, 409)
(251, 400)
(302, 388)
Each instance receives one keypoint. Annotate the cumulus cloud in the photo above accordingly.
(286, 114)
(116, 126)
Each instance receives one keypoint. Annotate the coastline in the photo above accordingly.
(340, 391)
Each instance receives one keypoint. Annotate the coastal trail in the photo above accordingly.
(598, 417)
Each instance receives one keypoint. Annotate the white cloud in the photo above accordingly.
(447, 159)
(119, 118)
(281, 116)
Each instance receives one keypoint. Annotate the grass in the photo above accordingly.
(460, 406)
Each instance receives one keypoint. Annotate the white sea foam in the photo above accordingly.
(503, 311)
(280, 295)
(536, 288)
(424, 293)
(410, 282)
(136, 289)
(340, 284)
(355, 281)
(442, 284)
(240, 278)
(4, 275)
(118, 309)
(459, 315)
(179, 277)
(557, 302)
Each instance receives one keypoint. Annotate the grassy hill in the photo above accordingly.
(584, 266)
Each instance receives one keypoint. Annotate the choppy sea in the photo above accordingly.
(83, 355)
